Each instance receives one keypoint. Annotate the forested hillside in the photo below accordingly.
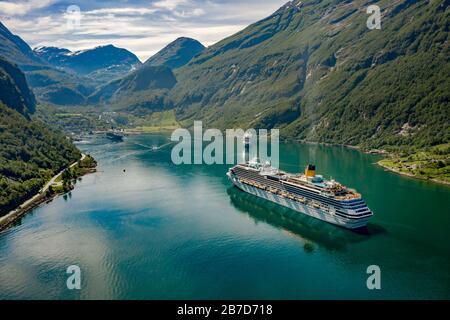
(314, 70)
(29, 152)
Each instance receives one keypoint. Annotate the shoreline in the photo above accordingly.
(375, 152)
(410, 175)
(378, 152)
(10, 218)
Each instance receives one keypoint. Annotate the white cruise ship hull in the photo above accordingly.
(302, 208)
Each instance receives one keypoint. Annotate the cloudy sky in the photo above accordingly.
(142, 26)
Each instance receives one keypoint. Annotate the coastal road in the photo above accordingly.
(52, 180)
(37, 196)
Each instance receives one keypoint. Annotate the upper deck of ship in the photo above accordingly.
(315, 184)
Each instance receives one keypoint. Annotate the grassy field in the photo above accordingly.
(156, 122)
(430, 164)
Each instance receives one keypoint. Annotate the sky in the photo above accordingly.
(141, 26)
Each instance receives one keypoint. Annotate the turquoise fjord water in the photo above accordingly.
(160, 231)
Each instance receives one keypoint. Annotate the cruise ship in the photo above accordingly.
(307, 193)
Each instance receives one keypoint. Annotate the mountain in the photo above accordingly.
(144, 89)
(58, 87)
(15, 92)
(176, 54)
(53, 55)
(15, 49)
(49, 83)
(312, 69)
(315, 70)
(101, 63)
(30, 153)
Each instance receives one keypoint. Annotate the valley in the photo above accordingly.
(30, 152)
(92, 175)
(311, 69)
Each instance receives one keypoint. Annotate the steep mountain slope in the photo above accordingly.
(15, 49)
(15, 92)
(101, 63)
(53, 55)
(312, 69)
(316, 71)
(145, 90)
(176, 54)
(29, 152)
(48, 83)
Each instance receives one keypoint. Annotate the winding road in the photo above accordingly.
(38, 195)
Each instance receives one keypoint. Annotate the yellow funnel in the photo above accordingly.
(310, 171)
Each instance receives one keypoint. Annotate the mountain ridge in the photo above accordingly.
(148, 87)
(54, 83)
(304, 68)
(314, 70)
(86, 62)
(176, 54)
(19, 52)
(50, 84)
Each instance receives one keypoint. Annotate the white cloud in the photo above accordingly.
(169, 4)
(142, 30)
(197, 12)
(120, 11)
(22, 8)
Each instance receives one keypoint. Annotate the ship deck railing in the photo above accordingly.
(297, 182)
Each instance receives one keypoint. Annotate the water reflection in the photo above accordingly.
(310, 230)
(142, 227)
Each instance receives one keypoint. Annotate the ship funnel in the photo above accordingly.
(310, 171)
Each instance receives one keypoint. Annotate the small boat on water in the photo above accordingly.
(114, 136)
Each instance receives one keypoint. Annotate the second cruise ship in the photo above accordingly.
(307, 193)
